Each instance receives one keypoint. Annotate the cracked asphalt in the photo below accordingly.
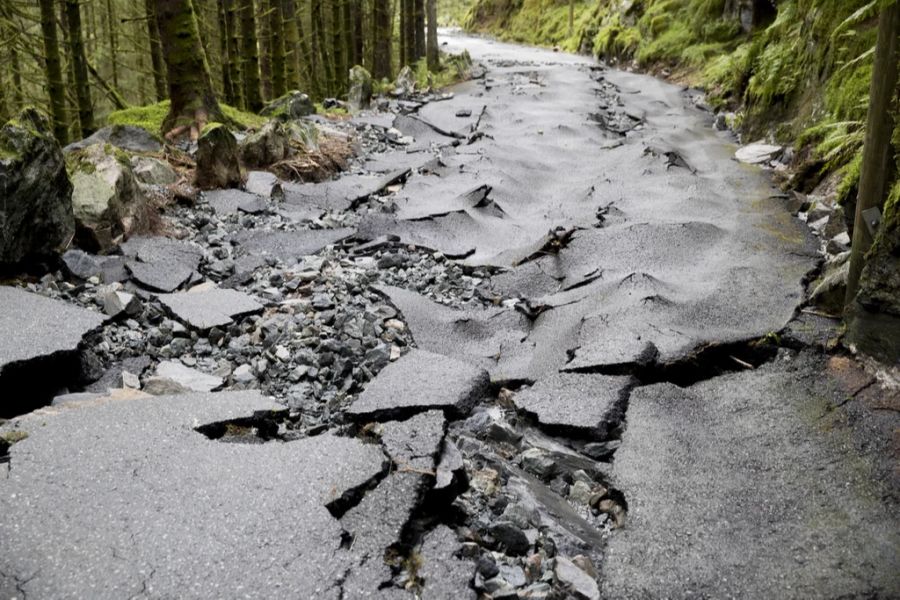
(623, 239)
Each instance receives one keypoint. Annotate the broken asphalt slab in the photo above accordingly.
(743, 486)
(206, 309)
(289, 246)
(127, 499)
(419, 381)
(161, 264)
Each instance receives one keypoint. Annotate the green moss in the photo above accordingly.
(335, 111)
(14, 436)
(151, 117)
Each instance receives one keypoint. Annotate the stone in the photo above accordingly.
(218, 163)
(80, 264)
(576, 581)
(405, 84)
(36, 217)
(830, 292)
(106, 198)
(422, 379)
(265, 184)
(163, 386)
(116, 302)
(510, 538)
(293, 105)
(758, 153)
(190, 379)
(125, 137)
(269, 145)
(243, 374)
(360, 93)
(539, 463)
(838, 244)
(580, 493)
(152, 171)
(204, 310)
(161, 264)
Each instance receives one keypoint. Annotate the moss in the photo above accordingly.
(151, 117)
(14, 436)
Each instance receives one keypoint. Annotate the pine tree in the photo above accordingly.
(53, 69)
(382, 30)
(250, 57)
(156, 56)
(79, 68)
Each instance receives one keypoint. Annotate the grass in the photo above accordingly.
(151, 117)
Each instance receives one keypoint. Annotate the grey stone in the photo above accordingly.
(293, 105)
(36, 214)
(419, 381)
(206, 309)
(289, 246)
(269, 145)
(414, 443)
(264, 184)
(510, 538)
(191, 379)
(160, 263)
(244, 374)
(152, 171)
(360, 94)
(539, 463)
(81, 264)
(405, 83)
(758, 153)
(579, 583)
(117, 302)
(126, 137)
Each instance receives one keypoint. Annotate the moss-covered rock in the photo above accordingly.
(218, 165)
(36, 216)
(360, 94)
(269, 145)
(873, 323)
(293, 105)
(126, 137)
(106, 196)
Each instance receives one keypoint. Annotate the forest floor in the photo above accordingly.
(548, 342)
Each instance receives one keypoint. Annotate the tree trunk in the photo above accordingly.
(113, 41)
(227, 83)
(310, 55)
(233, 65)
(347, 25)
(250, 57)
(55, 87)
(358, 35)
(193, 102)
(419, 29)
(264, 37)
(405, 15)
(341, 70)
(18, 98)
(381, 39)
(432, 50)
(79, 65)
(156, 55)
(320, 47)
(277, 46)
(876, 171)
(291, 44)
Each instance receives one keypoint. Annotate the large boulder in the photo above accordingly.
(873, 323)
(126, 137)
(291, 106)
(360, 94)
(36, 210)
(106, 197)
(218, 164)
(405, 85)
(269, 145)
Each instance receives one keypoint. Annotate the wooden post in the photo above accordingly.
(877, 153)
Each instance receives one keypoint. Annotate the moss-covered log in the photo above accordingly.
(193, 102)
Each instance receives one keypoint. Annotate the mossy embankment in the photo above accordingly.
(797, 71)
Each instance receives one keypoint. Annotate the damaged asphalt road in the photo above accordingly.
(605, 414)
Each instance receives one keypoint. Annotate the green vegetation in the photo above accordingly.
(14, 436)
(151, 117)
(802, 74)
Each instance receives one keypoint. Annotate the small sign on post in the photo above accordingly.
(872, 219)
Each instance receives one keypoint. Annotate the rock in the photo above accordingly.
(837, 224)
(513, 575)
(106, 197)
(579, 583)
(758, 153)
(360, 94)
(293, 105)
(720, 123)
(486, 566)
(126, 137)
(117, 303)
(817, 212)
(510, 538)
(243, 375)
(838, 244)
(36, 216)
(80, 264)
(163, 386)
(830, 292)
(152, 171)
(218, 165)
(190, 379)
(161, 263)
(405, 84)
(269, 145)
(580, 493)
(538, 463)
(204, 310)
(601, 450)
(486, 481)
(229, 202)
(263, 183)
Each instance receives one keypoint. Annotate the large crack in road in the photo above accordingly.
(622, 409)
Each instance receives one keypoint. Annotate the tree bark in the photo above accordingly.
(79, 65)
(193, 102)
(308, 57)
(18, 98)
(347, 26)
(876, 171)
(320, 47)
(250, 57)
(341, 70)
(233, 66)
(225, 55)
(358, 35)
(278, 49)
(291, 44)
(264, 37)
(53, 68)
(382, 30)
(419, 29)
(432, 50)
(113, 41)
(156, 56)
(405, 14)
